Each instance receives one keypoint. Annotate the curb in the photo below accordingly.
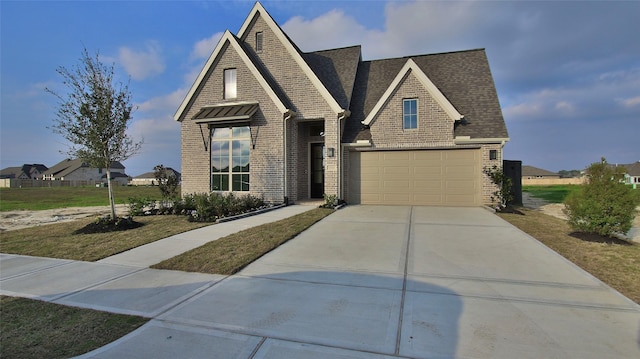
(249, 214)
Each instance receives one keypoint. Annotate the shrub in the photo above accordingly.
(604, 205)
(503, 195)
(209, 208)
(139, 205)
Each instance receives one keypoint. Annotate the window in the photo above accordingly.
(493, 154)
(230, 159)
(230, 83)
(410, 113)
(258, 41)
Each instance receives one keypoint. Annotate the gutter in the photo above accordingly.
(285, 116)
(341, 116)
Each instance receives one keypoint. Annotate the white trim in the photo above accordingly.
(411, 66)
(233, 42)
(258, 8)
(461, 140)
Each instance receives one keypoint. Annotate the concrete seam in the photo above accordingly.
(257, 348)
(404, 284)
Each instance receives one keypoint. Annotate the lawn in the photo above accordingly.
(60, 197)
(230, 254)
(58, 241)
(551, 194)
(614, 262)
(35, 329)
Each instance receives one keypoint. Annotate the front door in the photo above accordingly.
(317, 170)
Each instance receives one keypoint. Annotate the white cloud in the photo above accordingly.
(163, 103)
(630, 102)
(203, 48)
(141, 64)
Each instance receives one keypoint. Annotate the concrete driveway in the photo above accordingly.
(414, 282)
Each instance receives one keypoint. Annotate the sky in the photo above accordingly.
(567, 72)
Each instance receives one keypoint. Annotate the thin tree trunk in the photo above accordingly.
(111, 201)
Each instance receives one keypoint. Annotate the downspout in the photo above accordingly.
(286, 116)
(341, 116)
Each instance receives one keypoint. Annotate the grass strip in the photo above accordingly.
(552, 193)
(58, 241)
(614, 262)
(40, 198)
(36, 329)
(230, 254)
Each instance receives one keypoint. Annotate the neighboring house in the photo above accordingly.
(76, 170)
(27, 171)
(149, 178)
(265, 118)
(632, 176)
(530, 172)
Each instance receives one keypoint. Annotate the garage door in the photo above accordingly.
(425, 177)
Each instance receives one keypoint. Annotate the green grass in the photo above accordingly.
(551, 194)
(58, 241)
(230, 254)
(60, 197)
(35, 329)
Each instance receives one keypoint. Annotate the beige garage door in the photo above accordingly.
(425, 177)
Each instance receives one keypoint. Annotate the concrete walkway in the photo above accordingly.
(365, 282)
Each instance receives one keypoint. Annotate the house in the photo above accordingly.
(76, 170)
(27, 171)
(632, 175)
(530, 172)
(265, 118)
(149, 178)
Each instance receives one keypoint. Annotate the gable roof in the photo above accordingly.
(293, 50)
(462, 77)
(411, 67)
(232, 41)
(152, 174)
(536, 172)
(26, 169)
(633, 169)
(67, 166)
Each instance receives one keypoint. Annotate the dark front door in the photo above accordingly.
(317, 170)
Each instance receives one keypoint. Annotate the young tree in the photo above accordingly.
(605, 205)
(503, 193)
(167, 182)
(94, 115)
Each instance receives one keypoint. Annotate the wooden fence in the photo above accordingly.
(29, 183)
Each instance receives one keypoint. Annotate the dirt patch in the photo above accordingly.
(12, 220)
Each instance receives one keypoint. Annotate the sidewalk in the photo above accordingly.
(123, 283)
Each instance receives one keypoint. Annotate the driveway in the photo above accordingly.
(382, 282)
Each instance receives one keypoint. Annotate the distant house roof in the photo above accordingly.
(537, 172)
(633, 169)
(65, 167)
(27, 169)
(152, 175)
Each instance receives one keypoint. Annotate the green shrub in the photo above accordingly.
(139, 205)
(210, 207)
(604, 205)
(503, 194)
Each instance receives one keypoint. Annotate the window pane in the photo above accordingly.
(221, 132)
(230, 83)
(241, 131)
(219, 156)
(258, 41)
(410, 113)
(240, 182)
(220, 182)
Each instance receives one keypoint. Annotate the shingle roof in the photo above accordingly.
(534, 171)
(633, 169)
(464, 77)
(336, 69)
(67, 166)
(152, 174)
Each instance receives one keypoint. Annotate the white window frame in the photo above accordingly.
(404, 114)
(230, 173)
(259, 40)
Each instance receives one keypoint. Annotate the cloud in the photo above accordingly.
(630, 102)
(144, 63)
(203, 48)
(163, 103)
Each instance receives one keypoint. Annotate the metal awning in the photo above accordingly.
(226, 114)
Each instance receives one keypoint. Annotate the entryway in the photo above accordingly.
(316, 173)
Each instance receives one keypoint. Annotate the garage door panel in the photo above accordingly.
(424, 177)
